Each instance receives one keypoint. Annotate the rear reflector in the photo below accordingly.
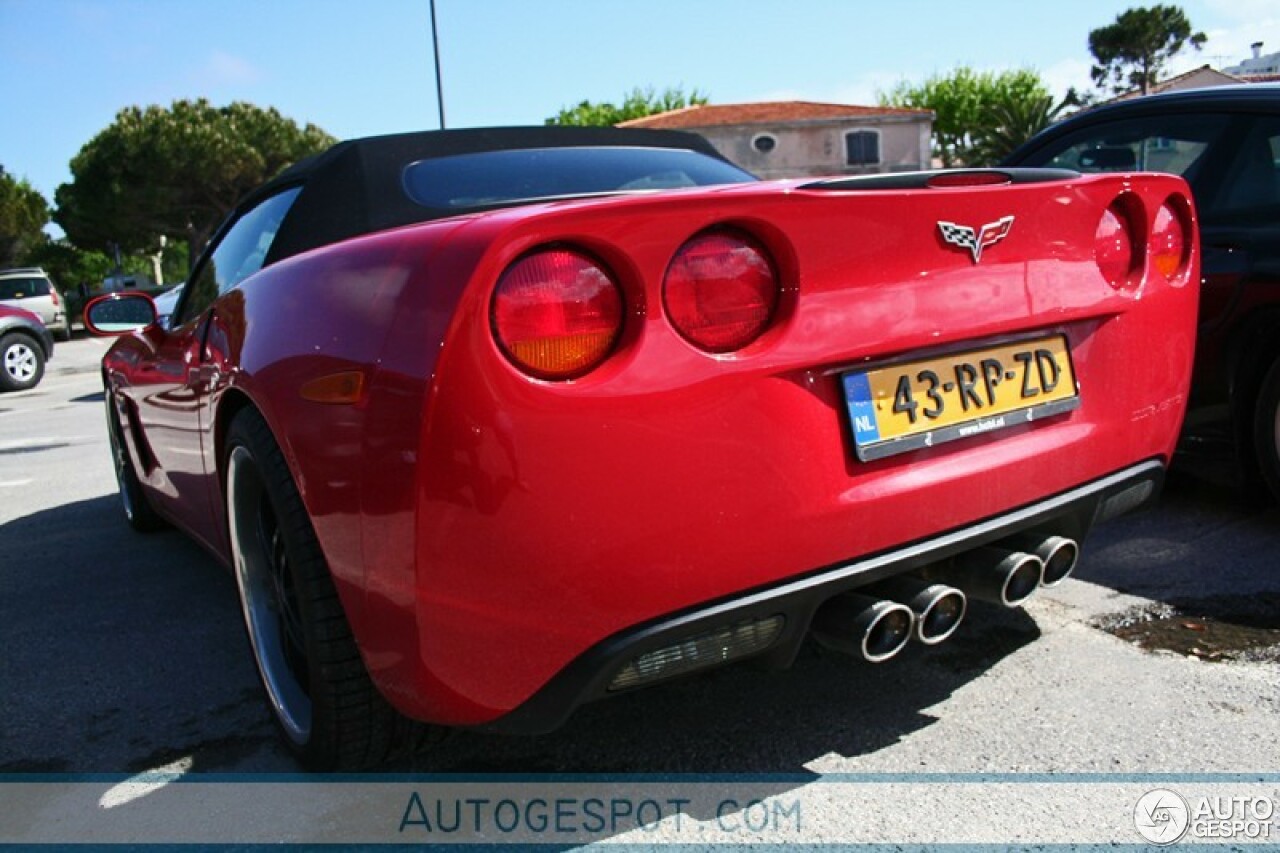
(556, 314)
(721, 290)
(1125, 501)
(715, 647)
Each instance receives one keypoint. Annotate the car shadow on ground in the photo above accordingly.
(120, 649)
(1215, 583)
(126, 653)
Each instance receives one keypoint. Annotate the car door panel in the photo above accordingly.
(176, 376)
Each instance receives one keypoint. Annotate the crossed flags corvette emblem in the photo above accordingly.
(975, 241)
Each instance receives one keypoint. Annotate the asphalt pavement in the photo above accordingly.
(124, 653)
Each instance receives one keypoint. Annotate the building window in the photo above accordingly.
(764, 142)
(862, 148)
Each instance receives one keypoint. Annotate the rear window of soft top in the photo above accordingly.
(493, 178)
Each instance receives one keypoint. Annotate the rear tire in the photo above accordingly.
(321, 697)
(21, 362)
(1266, 430)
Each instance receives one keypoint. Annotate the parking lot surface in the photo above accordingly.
(124, 653)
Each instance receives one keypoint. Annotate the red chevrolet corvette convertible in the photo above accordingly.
(491, 423)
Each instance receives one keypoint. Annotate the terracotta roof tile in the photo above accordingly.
(1220, 78)
(766, 112)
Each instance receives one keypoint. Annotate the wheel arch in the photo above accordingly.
(24, 332)
(233, 400)
(1257, 347)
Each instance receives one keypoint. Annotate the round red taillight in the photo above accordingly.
(1168, 241)
(1113, 247)
(556, 314)
(721, 290)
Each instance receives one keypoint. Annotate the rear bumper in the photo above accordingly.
(548, 527)
(590, 675)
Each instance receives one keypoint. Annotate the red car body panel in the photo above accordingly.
(485, 529)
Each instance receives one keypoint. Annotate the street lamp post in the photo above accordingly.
(435, 52)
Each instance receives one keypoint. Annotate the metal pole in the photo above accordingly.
(435, 52)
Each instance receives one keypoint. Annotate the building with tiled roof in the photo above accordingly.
(1197, 78)
(779, 139)
(1258, 68)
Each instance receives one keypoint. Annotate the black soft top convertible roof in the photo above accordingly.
(356, 187)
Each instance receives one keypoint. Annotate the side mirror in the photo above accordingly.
(119, 313)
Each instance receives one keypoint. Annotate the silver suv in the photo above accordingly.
(30, 288)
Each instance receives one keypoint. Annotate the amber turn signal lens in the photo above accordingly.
(335, 388)
(1168, 241)
(556, 314)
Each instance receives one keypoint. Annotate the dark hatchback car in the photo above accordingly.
(1226, 142)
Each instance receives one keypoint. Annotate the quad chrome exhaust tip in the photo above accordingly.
(938, 608)
(859, 625)
(999, 575)
(875, 622)
(1058, 553)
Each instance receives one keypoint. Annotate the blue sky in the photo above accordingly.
(361, 67)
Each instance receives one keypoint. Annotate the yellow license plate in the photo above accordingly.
(917, 404)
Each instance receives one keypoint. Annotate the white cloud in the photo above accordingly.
(1244, 11)
(223, 68)
(865, 88)
(1248, 22)
(1066, 74)
(1229, 47)
(862, 90)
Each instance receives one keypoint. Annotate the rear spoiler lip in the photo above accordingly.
(921, 180)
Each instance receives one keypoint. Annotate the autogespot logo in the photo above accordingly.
(1161, 816)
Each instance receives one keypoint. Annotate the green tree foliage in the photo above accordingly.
(1132, 51)
(637, 103)
(175, 172)
(175, 261)
(966, 102)
(1009, 122)
(69, 266)
(23, 214)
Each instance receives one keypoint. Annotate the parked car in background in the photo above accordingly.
(491, 423)
(165, 303)
(30, 288)
(25, 346)
(1225, 141)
